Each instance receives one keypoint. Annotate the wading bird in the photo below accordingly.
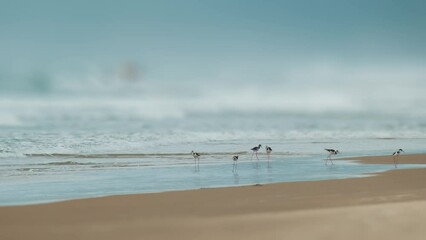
(235, 163)
(268, 152)
(330, 152)
(196, 157)
(395, 157)
(255, 150)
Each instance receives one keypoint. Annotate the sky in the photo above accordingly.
(216, 42)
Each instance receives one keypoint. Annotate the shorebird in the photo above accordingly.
(255, 150)
(268, 152)
(235, 163)
(395, 157)
(331, 152)
(196, 157)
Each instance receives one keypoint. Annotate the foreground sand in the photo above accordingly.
(391, 205)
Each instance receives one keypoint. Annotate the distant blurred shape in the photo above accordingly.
(129, 72)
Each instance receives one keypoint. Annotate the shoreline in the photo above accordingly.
(403, 159)
(331, 209)
(387, 160)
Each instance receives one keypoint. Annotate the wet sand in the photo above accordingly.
(402, 159)
(390, 205)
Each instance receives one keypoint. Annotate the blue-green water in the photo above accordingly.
(46, 179)
(91, 137)
(156, 127)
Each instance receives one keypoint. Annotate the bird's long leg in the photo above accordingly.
(328, 158)
(257, 162)
(251, 160)
(268, 158)
(396, 161)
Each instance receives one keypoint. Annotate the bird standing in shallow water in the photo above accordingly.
(196, 157)
(255, 150)
(395, 156)
(235, 163)
(331, 152)
(268, 152)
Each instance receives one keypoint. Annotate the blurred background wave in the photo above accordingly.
(303, 68)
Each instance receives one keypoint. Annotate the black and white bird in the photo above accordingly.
(196, 157)
(255, 150)
(235, 163)
(395, 157)
(268, 152)
(268, 149)
(330, 153)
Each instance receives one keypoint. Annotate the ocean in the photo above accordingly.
(69, 140)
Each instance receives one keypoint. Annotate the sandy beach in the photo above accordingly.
(389, 205)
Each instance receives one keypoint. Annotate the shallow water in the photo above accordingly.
(38, 179)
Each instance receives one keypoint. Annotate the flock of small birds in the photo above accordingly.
(268, 150)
